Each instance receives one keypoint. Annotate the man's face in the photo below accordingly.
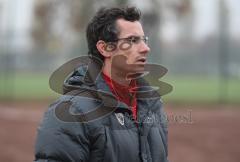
(131, 52)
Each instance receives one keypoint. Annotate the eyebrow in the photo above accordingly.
(132, 36)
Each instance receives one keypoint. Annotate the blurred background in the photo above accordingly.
(197, 41)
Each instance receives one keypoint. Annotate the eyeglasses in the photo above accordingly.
(135, 39)
(126, 44)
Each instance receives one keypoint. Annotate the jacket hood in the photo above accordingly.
(86, 77)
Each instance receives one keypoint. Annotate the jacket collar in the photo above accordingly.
(89, 77)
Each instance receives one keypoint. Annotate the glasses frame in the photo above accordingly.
(131, 39)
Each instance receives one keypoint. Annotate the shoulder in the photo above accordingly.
(82, 107)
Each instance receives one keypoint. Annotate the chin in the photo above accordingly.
(132, 76)
(135, 73)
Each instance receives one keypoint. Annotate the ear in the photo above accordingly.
(105, 48)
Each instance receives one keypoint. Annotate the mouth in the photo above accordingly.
(142, 60)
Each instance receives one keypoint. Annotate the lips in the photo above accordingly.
(141, 60)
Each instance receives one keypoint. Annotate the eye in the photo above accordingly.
(145, 39)
(134, 39)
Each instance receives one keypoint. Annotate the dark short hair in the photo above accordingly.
(103, 26)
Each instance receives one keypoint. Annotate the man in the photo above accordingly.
(105, 114)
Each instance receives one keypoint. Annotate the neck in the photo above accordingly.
(115, 74)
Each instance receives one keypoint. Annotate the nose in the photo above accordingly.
(144, 48)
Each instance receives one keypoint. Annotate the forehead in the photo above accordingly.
(128, 28)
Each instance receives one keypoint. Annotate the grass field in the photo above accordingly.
(185, 89)
(199, 89)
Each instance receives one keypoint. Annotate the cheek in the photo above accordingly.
(129, 55)
(122, 62)
(131, 59)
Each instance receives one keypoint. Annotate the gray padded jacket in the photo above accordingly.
(87, 124)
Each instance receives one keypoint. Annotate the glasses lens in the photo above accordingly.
(135, 39)
(145, 39)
